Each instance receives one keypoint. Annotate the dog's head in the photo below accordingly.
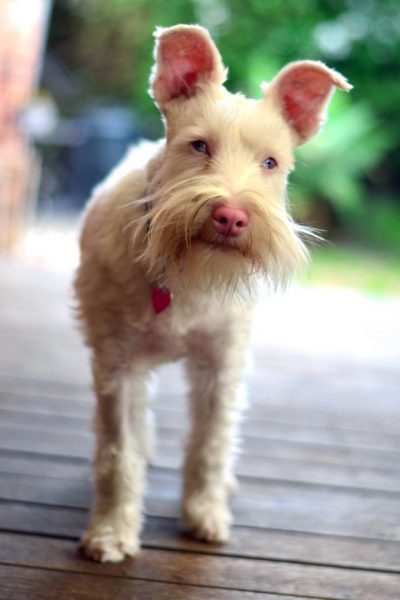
(218, 211)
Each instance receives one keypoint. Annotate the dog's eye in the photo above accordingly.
(200, 146)
(270, 163)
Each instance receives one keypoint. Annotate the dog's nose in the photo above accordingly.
(230, 221)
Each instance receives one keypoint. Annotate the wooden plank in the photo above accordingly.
(350, 475)
(74, 445)
(275, 403)
(268, 396)
(272, 544)
(276, 447)
(18, 457)
(32, 359)
(30, 464)
(72, 424)
(48, 387)
(80, 403)
(19, 583)
(258, 427)
(258, 422)
(79, 444)
(271, 504)
(284, 385)
(37, 421)
(333, 387)
(222, 572)
(22, 330)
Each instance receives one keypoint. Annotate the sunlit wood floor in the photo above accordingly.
(318, 510)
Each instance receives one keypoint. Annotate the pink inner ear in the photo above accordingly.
(185, 59)
(304, 94)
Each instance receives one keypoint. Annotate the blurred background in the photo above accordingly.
(73, 87)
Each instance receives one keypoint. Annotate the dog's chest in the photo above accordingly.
(164, 336)
(177, 330)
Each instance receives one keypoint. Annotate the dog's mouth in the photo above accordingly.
(223, 244)
(223, 247)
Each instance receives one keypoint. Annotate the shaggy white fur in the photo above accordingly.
(173, 245)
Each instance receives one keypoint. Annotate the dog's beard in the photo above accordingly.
(182, 252)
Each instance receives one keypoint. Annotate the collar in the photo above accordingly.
(160, 296)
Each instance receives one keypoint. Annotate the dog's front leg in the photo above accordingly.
(216, 405)
(121, 453)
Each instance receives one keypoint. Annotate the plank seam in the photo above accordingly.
(252, 558)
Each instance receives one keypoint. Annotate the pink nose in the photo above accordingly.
(230, 221)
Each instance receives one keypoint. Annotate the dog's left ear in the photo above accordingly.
(186, 59)
(302, 91)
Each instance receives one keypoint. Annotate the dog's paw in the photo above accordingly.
(107, 540)
(207, 520)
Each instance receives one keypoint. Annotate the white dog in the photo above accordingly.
(173, 244)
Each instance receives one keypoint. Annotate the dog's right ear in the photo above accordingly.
(186, 59)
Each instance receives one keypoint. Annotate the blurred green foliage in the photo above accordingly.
(353, 167)
(348, 266)
(333, 165)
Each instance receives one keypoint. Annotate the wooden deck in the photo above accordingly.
(318, 511)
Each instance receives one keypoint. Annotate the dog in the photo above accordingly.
(173, 246)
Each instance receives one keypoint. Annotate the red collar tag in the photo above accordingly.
(161, 299)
